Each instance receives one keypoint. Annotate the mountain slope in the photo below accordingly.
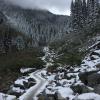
(40, 25)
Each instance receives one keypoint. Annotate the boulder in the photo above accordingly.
(30, 84)
(20, 86)
(58, 84)
(46, 97)
(86, 77)
(98, 46)
(94, 57)
(97, 89)
(31, 80)
(98, 65)
(93, 79)
(95, 53)
(17, 94)
(25, 84)
(81, 89)
(83, 77)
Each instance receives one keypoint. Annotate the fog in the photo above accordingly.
(55, 6)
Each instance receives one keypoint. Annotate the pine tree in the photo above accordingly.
(72, 14)
(80, 14)
(76, 13)
(93, 8)
(84, 12)
(96, 11)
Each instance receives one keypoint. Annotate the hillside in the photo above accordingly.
(40, 25)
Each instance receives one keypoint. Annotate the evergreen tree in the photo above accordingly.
(76, 14)
(76, 17)
(80, 14)
(72, 14)
(93, 8)
(85, 14)
(96, 11)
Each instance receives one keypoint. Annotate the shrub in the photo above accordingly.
(72, 59)
(24, 58)
(52, 68)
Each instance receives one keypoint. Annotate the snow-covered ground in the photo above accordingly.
(59, 82)
(88, 96)
(41, 81)
(47, 58)
(40, 76)
(35, 90)
(7, 97)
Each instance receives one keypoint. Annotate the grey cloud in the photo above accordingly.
(55, 6)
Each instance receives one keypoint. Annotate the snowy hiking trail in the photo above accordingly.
(41, 82)
(40, 79)
(33, 91)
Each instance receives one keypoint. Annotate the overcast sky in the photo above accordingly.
(55, 6)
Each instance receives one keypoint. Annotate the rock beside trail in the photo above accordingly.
(97, 89)
(81, 89)
(17, 94)
(90, 78)
(94, 79)
(47, 97)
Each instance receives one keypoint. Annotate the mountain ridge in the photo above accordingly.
(36, 23)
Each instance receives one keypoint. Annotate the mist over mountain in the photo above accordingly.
(61, 7)
(40, 25)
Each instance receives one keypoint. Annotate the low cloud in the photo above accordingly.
(55, 6)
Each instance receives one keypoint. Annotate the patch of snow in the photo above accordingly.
(40, 90)
(39, 87)
(89, 96)
(90, 88)
(7, 97)
(20, 81)
(65, 91)
(49, 64)
(50, 91)
(97, 51)
(95, 56)
(24, 70)
(94, 45)
(18, 90)
(98, 72)
(51, 78)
